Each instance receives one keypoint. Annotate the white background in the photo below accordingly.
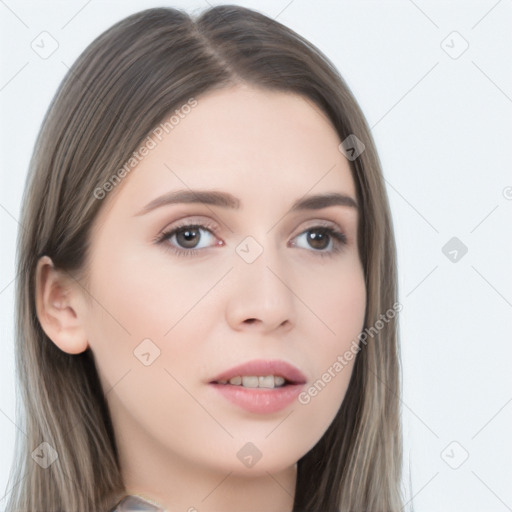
(443, 128)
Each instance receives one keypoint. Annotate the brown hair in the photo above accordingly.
(118, 90)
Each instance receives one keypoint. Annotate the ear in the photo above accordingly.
(58, 301)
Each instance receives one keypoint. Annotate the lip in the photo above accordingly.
(261, 400)
(264, 367)
(257, 400)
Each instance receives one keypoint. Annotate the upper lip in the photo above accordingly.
(264, 367)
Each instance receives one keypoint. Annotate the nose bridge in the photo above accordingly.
(260, 290)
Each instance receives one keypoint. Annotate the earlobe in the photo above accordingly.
(57, 306)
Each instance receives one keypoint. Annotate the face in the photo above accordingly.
(186, 291)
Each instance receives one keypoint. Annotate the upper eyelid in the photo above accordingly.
(190, 221)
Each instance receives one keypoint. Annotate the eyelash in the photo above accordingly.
(339, 239)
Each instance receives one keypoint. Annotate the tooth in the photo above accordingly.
(278, 381)
(266, 382)
(250, 382)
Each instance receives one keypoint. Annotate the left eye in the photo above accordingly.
(323, 239)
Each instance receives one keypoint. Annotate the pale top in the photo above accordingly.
(134, 503)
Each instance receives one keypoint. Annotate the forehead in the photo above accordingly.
(260, 145)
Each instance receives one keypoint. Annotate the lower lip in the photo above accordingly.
(260, 400)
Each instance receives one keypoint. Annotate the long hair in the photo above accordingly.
(119, 89)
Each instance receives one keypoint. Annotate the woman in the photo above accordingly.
(207, 296)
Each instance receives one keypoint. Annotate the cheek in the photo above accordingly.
(336, 300)
(340, 305)
(142, 299)
(344, 304)
(141, 308)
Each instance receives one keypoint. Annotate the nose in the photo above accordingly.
(260, 295)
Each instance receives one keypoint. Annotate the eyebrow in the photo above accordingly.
(226, 200)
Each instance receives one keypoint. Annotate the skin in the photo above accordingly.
(178, 439)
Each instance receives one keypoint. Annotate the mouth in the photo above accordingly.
(264, 374)
(260, 386)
